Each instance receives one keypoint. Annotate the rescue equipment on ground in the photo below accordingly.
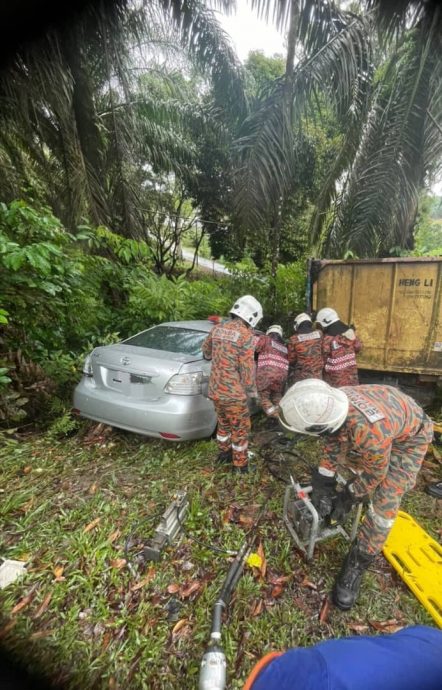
(213, 671)
(170, 525)
(305, 525)
(417, 558)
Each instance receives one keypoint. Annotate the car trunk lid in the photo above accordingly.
(136, 371)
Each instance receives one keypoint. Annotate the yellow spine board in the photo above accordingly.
(417, 558)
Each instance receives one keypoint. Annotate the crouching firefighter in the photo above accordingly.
(230, 346)
(389, 435)
(271, 370)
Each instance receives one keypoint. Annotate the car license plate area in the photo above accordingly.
(135, 378)
(118, 380)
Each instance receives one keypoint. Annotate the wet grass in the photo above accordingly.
(77, 510)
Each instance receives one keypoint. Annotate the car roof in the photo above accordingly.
(202, 325)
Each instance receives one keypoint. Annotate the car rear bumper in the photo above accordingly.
(188, 417)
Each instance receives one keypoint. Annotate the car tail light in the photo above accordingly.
(165, 434)
(87, 367)
(186, 384)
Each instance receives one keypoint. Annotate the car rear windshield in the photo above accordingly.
(185, 341)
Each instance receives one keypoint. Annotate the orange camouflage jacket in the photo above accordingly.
(378, 417)
(339, 354)
(231, 349)
(271, 354)
(305, 355)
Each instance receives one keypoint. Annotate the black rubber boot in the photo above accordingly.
(434, 490)
(347, 584)
(224, 457)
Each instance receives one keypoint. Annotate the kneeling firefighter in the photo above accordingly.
(230, 346)
(389, 434)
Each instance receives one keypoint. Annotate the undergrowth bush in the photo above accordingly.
(64, 294)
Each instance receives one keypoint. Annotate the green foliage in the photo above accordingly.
(63, 426)
(428, 228)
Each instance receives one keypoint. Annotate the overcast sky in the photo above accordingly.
(249, 33)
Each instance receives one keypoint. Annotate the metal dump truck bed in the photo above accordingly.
(395, 305)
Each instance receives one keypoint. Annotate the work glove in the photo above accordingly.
(344, 502)
(323, 494)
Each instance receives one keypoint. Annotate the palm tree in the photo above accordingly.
(400, 149)
(328, 54)
(77, 128)
(392, 125)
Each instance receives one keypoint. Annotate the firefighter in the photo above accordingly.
(339, 348)
(232, 379)
(390, 435)
(305, 350)
(405, 660)
(271, 370)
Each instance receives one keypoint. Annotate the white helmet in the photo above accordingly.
(248, 309)
(301, 318)
(313, 407)
(327, 316)
(274, 329)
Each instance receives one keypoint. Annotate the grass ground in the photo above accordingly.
(77, 510)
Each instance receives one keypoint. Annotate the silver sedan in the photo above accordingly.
(154, 383)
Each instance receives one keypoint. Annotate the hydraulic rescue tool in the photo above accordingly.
(213, 671)
(169, 526)
(305, 525)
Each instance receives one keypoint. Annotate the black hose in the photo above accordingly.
(234, 572)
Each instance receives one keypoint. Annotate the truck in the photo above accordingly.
(395, 306)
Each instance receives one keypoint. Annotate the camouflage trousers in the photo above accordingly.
(270, 384)
(405, 462)
(233, 429)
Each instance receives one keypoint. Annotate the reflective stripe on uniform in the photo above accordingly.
(379, 521)
(325, 472)
(240, 448)
(222, 439)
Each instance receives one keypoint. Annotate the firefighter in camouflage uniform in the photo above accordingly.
(389, 434)
(340, 346)
(305, 351)
(271, 369)
(230, 346)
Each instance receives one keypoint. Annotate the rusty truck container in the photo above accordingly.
(395, 305)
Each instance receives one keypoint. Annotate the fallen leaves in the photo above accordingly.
(58, 572)
(114, 536)
(7, 627)
(148, 578)
(257, 608)
(186, 589)
(118, 563)
(310, 585)
(23, 603)
(43, 606)
(358, 628)
(190, 589)
(91, 525)
(389, 626)
(325, 610)
(178, 626)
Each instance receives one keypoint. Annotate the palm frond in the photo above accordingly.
(399, 146)
(210, 46)
(340, 68)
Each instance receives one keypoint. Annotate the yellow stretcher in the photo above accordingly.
(417, 558)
